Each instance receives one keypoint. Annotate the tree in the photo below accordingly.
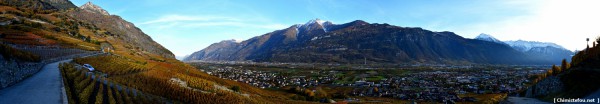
(376, 89)
(88, 39)
(598, 39)
(565, 65)
(309, 93)
(321, 93)
(555, 70)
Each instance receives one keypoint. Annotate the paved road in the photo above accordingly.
(524, 100)
(45, 87)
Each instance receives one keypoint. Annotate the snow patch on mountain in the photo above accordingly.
(317, 21)
(233, 40)
(523, 45)
(237, 40)
(520, 45)
(89, 6)
(487, 37)
(296, 27)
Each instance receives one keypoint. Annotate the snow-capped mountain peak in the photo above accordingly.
(89, 6)
(487, 37)
(320, 23)
(523, 45)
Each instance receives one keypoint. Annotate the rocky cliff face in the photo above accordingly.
(123, 31)
(323, 42)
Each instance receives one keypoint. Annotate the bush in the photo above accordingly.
(236, 88)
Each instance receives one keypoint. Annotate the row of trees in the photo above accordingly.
(309, 95)
(554, 71)
(563, 67)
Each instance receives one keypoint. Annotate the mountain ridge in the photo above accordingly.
(124, 31)
(527, 45)
(359, 41)
(543, 51)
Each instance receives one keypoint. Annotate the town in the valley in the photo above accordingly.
(436, 83)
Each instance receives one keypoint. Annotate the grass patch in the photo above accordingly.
(375, 78)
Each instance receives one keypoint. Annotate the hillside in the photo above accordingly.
(40, 4)
(119, 31)
(356, 42)
(132, 60)
(577, 79)
(542, 52)
(582, 77)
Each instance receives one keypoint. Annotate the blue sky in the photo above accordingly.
(186, 26)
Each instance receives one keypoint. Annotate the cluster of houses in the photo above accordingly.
(267, 79)
(256, 78)
(446, 86)
(441, 86)
(263, 79)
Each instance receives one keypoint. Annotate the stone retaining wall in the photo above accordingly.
(12, 72)
(547, 86)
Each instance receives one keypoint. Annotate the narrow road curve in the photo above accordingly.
(44, 87)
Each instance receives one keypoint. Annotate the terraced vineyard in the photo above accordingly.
(82, 87)
(26, 38)
(174, 81)
(51, 52)
(117, 66)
